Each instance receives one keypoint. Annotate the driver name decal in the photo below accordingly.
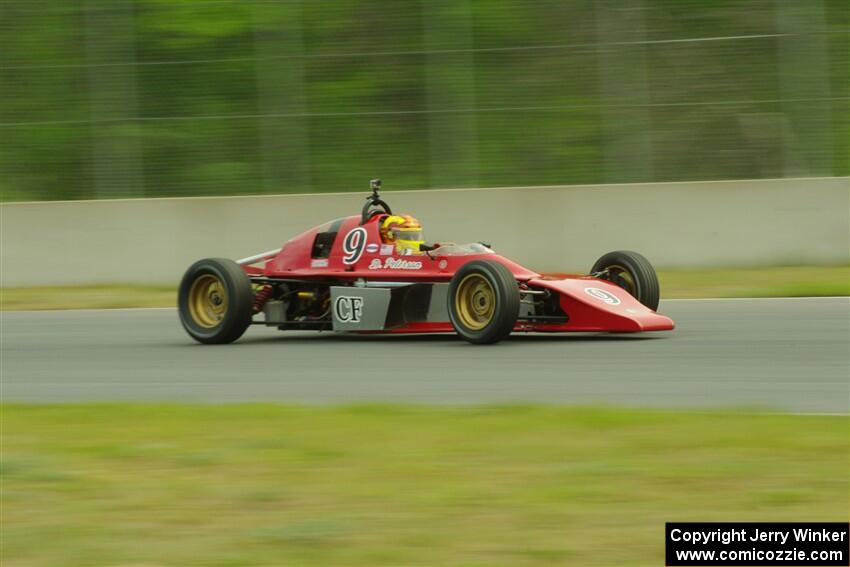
(602, 295)
(394, 264)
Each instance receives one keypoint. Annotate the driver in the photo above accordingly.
(405, 232)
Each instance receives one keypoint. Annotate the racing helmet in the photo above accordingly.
(404, 231)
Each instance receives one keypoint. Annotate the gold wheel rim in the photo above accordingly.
(475, 302)
(620, 276)
(208, 301)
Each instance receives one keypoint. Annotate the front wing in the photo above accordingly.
(592, 304)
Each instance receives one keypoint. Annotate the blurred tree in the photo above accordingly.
(214, 97)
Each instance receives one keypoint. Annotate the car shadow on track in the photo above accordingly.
(447, 338)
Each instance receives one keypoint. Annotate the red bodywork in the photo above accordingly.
(586, 311)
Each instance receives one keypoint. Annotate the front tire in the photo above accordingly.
(632, 272)
(483, 302)
(215, 301)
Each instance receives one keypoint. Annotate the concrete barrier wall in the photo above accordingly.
(725, 223)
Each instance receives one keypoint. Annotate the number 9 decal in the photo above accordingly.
(353, 245)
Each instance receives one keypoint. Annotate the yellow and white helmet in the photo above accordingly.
(404, 231)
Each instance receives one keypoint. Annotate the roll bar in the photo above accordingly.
(374, 204)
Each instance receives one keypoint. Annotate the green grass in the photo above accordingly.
(384, 485)
(783, 281)
(87, 297)
(790, 281)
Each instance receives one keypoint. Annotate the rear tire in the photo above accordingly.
(632, 272)
(215, 301)
(483, 302)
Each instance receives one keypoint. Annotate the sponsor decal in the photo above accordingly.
(371, 248)
(319, 263)
(348, 309)
(602, 295)
(387, 249)
(394, 264)
(353, 245)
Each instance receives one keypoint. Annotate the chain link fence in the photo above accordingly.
(143, 98)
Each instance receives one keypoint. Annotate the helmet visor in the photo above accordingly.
(407, 234)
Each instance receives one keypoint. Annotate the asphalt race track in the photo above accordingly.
(774, 354)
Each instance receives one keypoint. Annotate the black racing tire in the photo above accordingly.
(632, 272)
(483, 302)
(215, 301)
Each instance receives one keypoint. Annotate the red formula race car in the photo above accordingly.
(374, 273)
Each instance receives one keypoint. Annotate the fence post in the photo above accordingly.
(450, 85)
(283, 126)
(624, 91)
(804, 87)
(113, 103)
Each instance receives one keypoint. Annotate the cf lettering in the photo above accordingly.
(348, 309)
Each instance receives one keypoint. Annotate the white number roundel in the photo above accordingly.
(602, 295)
